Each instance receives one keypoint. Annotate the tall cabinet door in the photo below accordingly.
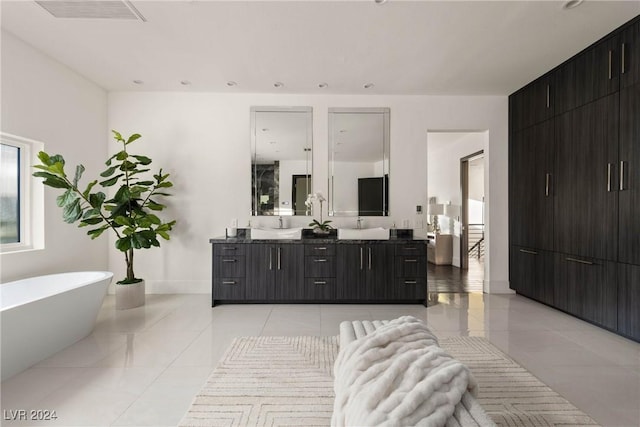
(531, 189)
(260, 271)
(629, 186)
(379, 282)
(586, 196)
(350, 261)
(630, 56)
(289, 267)
(598, 71)
(629, 300)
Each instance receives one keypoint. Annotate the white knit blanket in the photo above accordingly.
(397, 376)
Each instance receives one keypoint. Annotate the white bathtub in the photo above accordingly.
(43, 315)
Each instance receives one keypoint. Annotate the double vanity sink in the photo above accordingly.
(377, 233)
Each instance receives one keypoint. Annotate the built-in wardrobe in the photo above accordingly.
(574, 184)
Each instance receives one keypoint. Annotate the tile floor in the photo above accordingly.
(142, 367)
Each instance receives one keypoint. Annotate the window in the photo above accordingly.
(21, 198)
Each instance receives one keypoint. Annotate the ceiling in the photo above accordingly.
(402, 47)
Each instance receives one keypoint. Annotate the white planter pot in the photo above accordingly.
(129, 296)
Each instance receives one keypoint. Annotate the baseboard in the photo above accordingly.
(174, 287)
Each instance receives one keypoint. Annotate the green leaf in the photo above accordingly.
(44, 157)
(90, 221)
(122, 155)
(72, 212)
(154, 219)
(127, 166)
(91, 213)
(88, 189)
(111, 181)
(163, 234)
(96, 200)
(51, 180)
(165, 184)
(58, 169)
(109, 171)
(117, 136)
(123, 244)
(145, 183)
(132, 138)
(155, 206)
(66, 198)
(97, 231)
(143, 160)
(78, 175)
(122, 220)
(57, 158)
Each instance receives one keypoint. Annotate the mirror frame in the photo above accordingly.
(309, 139)
(386, 160)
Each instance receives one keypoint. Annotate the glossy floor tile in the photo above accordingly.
(142, 367)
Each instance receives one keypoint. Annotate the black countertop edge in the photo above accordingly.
(304, 240)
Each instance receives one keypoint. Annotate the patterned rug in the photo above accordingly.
(285, 381)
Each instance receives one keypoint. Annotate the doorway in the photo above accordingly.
(300, 188)
(472, 237)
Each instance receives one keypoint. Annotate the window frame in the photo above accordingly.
(30, 195)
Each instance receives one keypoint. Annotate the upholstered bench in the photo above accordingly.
(467, 411)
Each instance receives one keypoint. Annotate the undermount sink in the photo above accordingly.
(276, 233)
(377, 233)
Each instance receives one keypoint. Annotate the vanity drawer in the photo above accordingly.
(220, 249)
(411, 249)
(229, 266)
(321, 288)
(231, 288)
(320, 249)
(320, 266)
(411, 288)
(411, 266)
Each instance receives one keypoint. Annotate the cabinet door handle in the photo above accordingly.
(548, 96)
(229, 260)
(319, 282)
(410, 248)
(610, 60)
(547, 179)
(361, 258)
(228, 282)
(526, 251)
(622, 65)
(411, 260)
(229, 249)
(320, 260)
(279, 257)
(622, 162)
(369, 258)
(410, 282)
(320, 248)
(609, 167)
(270, 259)
(579, 261)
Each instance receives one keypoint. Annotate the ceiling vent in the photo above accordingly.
(92, 9)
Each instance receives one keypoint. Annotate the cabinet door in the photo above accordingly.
(629, 194)
(289, 267)
(565, 88)
(531, 189)
(586, 196)
(379, 281)
(531, 273)
(261, 264)
(597, 71)
(630, 56)
(629, 300)
(591, 288)
(350, 261)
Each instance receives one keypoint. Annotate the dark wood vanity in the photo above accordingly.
(319, 270)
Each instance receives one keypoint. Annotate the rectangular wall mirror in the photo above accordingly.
(281, 160)
(359, 161)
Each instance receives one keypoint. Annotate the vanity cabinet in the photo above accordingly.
(411, 272)
(228, 272)
(275, 272)
(532, 273)
(320, 272)
(365, 271)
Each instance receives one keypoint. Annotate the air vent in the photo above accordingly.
(92, 9)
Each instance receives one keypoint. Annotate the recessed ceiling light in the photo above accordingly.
(571, 4)
(272, 142)
(138, 82)
(380, 1)
(368, 85)
(185, 82)
(278, 84)
(343, 130)
(265, 129)
(231, 83)
(322, 85)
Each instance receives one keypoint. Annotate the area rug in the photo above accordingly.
(286, 381)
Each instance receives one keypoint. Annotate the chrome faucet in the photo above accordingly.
(279, 222)
(359, 223)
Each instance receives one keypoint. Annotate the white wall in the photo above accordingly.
(203, 140)
(46, 101)
(345, 188)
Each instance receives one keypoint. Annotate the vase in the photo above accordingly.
(130, 296)
(320, 232)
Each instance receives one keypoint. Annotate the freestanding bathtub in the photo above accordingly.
(43, 315)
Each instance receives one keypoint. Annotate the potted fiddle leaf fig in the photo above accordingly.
(130, 213)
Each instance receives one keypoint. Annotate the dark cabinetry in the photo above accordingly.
(411, 272)
(228, 271)
(275, 271)
(320, 272)
(574, 207)
(365, 271)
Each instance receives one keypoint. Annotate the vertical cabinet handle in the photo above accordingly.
(547, 178)
(361, 258)
(270, 259)
(609, 167)
(622, 65)
(320, 282)
(622, 175)
(279, 256)
(369, 258)
(526, 251)
(548, 96)
(610, 60)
